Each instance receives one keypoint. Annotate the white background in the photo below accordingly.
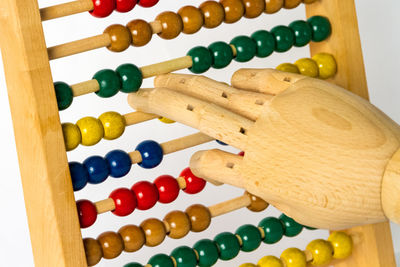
(378, 22)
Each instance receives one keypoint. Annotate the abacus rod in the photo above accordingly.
(138, 117)
(66, 9)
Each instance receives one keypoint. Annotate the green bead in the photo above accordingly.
(222, 54)
(284, 38)
(184, 257)
(63, 94)
(309, 228)
(161, 260)
(109, 83)
(207, 251)
(302, 32)
(265, 43)
(228, 245)
(246, 48)
(201, 58)
(321, 28)
(250, 236)
(131, 78)
(133, 264)
(292, 228)
(273, 230)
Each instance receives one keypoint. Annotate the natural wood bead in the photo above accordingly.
(253, 8)
(309, 1)
(234, 10)
(120, 37)
(289, 4)
(257, 204)
(92, 250)
(141, 32)
(133, 237)
(171, 24)
(213, 13)
(192, 19)
(111, 244)
(273, 6)
(179, 224)
(154, 230)
(199, 216)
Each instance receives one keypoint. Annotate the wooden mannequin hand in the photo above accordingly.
(313, 150)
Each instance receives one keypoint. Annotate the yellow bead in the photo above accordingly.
(307, 67)
(72, 136)
(91, 130)
(342, 245)
(288, 67)
(294, 257)
(269, 261)
(248, 265)
(166, 120)
(321, 251)
(113, 124)
(326, 64)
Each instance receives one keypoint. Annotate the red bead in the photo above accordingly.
(87, 213)
(168, 188)
(125, 5)
(194, 184)
(124, 200)
(102, 8)
(147, 3)
(241, 153)
(146, 195)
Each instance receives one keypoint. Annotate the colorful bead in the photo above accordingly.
(124, 201)
(321, 251)
(207, 251)
(133, 237)
(342, 245)
(97, 169)
(321, 28)
(166, 120)
(125, 5)
(64, 95)
(120, 37)
(250, 236)
(192, 19)
(201, 58)
(146, 194)
(184, 257)
(171, 24)
(111, 244)
(141, 32)
(307, 67)
(309, 1)
(199, 216)
(288, 67)
(265, 43)
(213, 13)
(119, 163)
(102, 8)
(273, 230)
(179, 224)
(247, 265)
(72, 136)
(302, 32)
(292, 228)
(273, 6)
(294, 257)
(222, 54)
(194, 184)
(92, 250)
(245, 47)
(131, 78)
(256, 204)
(326, 65)
(253, 8)
(133, 264)
(284, 38)
(269, 261)
(155, 232)
(91, 131)
(161, 260)
(167, 187)
(87, 213)
(151, 152)
(290, 4)
(113, 124)
(147, 3)
(109, 83)
(228, 245)
(234, 10)
(79, 175)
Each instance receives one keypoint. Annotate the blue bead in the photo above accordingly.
(97, 168)
(79, 175)
(119, 163)
(221, 143)
(152, 154)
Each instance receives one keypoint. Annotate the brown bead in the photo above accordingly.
(141, 32)
(179, 224)
(273, 6)
(257, 204)
(111, 244)
(192, 19)
(154, 230)
(289, 4)
(309, 1)
(234, 10)
(133, 237)
(199, 216)
(213, 13)
(120, 37)
(171, 24)
(92, 250)
(253, 8)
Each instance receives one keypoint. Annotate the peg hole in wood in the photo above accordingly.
(230, 165)
(287, 79)
(259, 102)
(242, 130)
(224, 95)
(190, 107)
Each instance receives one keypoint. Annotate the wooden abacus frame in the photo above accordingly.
(49, 197)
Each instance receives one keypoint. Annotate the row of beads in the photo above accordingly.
(103, 8)
(318, 252)
(143, 195)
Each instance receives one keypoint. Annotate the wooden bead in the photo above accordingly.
(289, 4)
(120, 37)
(294, 257)
(257, 204)
(342, 244)
(307, 67)
(133, 237)
(72, 136)
(113, 124)
(269, 261)
(321, 251)
(326, 65)
(199, 216)
(179, 224)
(111, 244)
(234, 10)
(288, 67)
(273, 6)
(91, 131)
(171, 24)
(213, 13)
(309, 1)
(141, 32)
(92, 250)
(192, 19)
(154, 230)
(253, 8)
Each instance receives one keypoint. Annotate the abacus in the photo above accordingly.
(49, 180)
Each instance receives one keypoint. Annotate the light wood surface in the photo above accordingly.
(66, 9)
